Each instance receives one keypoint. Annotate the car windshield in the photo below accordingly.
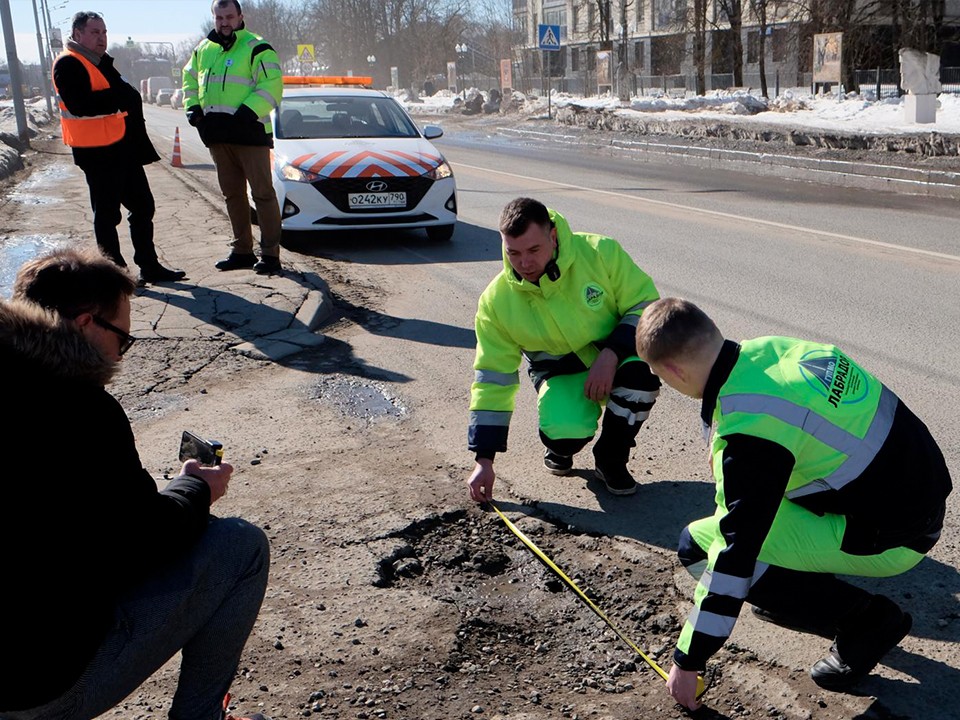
(342, 116)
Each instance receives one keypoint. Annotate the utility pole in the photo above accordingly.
(15, 80)
(44, 68)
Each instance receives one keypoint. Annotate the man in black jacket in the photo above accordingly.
(102, 120)
(105, 577)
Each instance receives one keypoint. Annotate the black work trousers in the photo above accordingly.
(115, 184)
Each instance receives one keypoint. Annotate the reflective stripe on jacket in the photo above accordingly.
(87, 131)
(829, 417)
(248, 73)
(559, 325)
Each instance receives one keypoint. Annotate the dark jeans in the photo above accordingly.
(203, 604)
(122, 184)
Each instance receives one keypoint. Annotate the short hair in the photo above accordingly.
(81, 19)
(223, 3)
(673, 327)
(520, 213)
(72, 281)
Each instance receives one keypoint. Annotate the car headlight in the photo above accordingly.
(292, 172)
(441, 171)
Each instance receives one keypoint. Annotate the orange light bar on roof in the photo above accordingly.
(327, 80)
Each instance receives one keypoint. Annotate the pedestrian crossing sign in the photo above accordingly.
(549, 36)
(305, 53)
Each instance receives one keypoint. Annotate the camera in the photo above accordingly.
(193, 447)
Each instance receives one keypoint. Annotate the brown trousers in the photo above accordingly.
(238, 165)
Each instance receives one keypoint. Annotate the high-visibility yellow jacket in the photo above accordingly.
(223, 79)
(89, 131)
(801, 421)
(558, 325)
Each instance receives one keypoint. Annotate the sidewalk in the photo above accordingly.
(265, 317)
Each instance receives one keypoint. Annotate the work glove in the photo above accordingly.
(194, 115)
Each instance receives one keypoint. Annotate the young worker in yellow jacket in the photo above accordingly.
(820, 470)
(231, 83)
(568, 303)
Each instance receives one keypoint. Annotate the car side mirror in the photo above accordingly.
(432, 132)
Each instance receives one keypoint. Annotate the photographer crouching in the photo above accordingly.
(106, 578)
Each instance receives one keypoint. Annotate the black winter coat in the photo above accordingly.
(73, 85)
(81, 521)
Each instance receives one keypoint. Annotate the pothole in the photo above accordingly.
(359, 398)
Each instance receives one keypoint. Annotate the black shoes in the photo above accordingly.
(237, 262)
(869, 635)
(618, 479)
(798, 624)
(267, 265)
(158, 273)
(557, 464)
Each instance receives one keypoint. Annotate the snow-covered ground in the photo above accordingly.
(849, 114)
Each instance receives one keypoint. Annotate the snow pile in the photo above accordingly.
(851, 113)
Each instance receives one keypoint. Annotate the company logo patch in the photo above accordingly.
(376, 186)
(834, 376)
(593, 295)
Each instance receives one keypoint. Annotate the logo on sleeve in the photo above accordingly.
(834, 376)
(593, 295)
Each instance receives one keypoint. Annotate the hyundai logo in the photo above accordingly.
(376, 186)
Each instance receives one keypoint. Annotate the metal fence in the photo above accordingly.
(885, 82)
(879, 82)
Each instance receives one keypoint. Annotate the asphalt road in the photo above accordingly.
(876, 273)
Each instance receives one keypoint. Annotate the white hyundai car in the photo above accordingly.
(347, 157)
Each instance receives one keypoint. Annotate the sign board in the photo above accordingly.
(604, 67)
(395, 77)
(506, 75)
(548, 37)
(452, 76)
(56, 40)
(305, 54)
(827, 57)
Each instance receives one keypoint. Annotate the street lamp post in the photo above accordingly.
(462, 51)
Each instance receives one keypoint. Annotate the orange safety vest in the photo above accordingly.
(88, 131)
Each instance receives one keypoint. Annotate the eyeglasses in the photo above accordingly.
(126, 339)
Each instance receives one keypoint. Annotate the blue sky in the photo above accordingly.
(143, 20)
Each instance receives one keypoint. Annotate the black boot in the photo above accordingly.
(235, 261)
(864, 637)
(158, 273)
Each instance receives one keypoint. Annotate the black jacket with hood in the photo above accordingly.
(82, 521)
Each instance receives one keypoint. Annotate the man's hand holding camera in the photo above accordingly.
(216, 477)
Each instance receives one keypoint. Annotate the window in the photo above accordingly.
(753, 46)
(638, 56)
(669, 13)
(575, 59)
(641, 13)
(556, 17)
(781, 43)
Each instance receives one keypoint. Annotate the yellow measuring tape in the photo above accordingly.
(701, 688)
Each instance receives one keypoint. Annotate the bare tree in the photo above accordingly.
(417, 36)
(732, 10)
(759, 9)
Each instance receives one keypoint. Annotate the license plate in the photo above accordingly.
(368, 200)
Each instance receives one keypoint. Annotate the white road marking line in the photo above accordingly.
(726, 216)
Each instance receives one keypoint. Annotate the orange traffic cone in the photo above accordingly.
(175, 160)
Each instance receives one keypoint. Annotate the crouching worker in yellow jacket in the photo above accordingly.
(568, 303)
(820, 470)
